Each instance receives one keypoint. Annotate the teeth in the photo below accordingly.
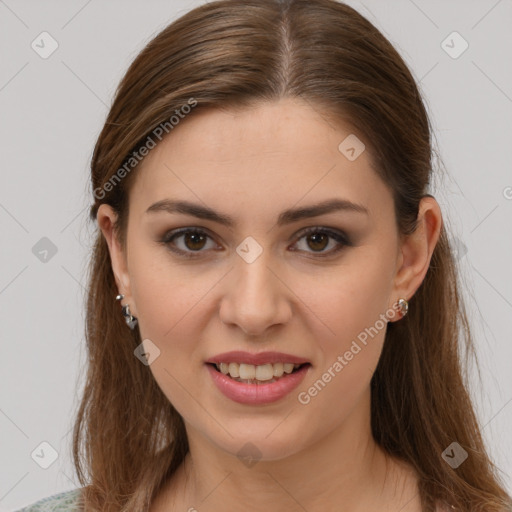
(288, 367)
(264, 372)
(278, 369)
(246, 371)
(233, 369)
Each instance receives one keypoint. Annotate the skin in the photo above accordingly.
(251, 164)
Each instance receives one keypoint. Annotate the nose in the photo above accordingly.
(255, 297)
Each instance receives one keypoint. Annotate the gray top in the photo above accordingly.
(68, 501)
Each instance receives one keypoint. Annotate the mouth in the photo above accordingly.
(257, 374)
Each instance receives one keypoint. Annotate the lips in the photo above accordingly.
(260, 358)
(257, 394)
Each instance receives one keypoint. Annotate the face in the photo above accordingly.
(313, 287)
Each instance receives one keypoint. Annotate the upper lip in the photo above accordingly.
(260, 358)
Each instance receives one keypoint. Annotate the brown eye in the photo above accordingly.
(188, 242)
(194, 240)
(318, 241)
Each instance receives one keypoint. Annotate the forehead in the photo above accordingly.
(279, 153)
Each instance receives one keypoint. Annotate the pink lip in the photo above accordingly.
(241, 357)
(255, 394)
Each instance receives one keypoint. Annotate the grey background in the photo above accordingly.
(51, 112)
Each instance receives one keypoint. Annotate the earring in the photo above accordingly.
(404, 306)
(131, 321)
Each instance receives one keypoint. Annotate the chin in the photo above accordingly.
(259, 446)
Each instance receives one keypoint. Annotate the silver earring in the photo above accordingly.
(131, 321)
(404, 306)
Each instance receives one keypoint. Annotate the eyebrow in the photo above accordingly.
(286, 217)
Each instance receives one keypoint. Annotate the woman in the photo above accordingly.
(274, 315)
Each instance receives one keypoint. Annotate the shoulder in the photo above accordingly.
(68, 501)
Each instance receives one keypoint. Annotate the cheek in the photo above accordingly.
(164, 292)
(170, 309)
(349, 327)
(346, 302)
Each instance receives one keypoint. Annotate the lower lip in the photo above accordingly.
(255, 394)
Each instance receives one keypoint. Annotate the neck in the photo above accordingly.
(345, 468)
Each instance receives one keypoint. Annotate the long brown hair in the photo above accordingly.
(128, 439)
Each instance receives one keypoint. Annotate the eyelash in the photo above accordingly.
(341, 238)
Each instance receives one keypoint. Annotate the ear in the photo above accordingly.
(416, 249)
(106, 217)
